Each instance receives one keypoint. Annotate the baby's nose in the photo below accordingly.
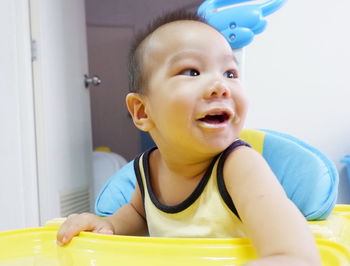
(217, 90)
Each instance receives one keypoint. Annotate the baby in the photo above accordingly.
(200, 180)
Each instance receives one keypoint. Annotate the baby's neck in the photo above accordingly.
(180, 167)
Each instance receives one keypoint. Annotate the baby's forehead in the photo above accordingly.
(178, 33)
(200, 41)
(182, 26)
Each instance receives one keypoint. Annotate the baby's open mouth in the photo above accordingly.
(215, 118)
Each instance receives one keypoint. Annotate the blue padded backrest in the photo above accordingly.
(117, 191)
(309, 178)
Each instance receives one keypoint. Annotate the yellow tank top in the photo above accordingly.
(207, 212)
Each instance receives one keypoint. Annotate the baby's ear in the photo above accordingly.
(137, 108)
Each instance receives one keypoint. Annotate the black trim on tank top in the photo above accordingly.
(138, 171)
(220, 175)
(188, 201)
(138, 175)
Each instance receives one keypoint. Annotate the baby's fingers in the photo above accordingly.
(74, 224)
(104, 231)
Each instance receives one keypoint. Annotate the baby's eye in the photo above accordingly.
(231, 74)
(190, 72)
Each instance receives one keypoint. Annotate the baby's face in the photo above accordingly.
(194, 95)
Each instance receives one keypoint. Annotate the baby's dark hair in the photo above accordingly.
(136, 75)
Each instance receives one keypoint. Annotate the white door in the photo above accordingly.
(62, 107)
(18, 176)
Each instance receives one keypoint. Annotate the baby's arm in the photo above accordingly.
(128, 220)
(278, 230)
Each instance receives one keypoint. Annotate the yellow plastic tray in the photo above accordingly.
(38, 247)
(337, 226)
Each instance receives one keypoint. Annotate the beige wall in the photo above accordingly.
(108, 49)
(110, 29)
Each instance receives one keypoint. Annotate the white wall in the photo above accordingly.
(297, 76)
(18, 179)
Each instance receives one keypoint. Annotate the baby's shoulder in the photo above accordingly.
(238, 150)
(244, 162)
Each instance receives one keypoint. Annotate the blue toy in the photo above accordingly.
(236, 21)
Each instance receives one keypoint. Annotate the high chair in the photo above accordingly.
(309, 178)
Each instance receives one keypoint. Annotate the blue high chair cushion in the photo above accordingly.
(309, 178)
(117, 191)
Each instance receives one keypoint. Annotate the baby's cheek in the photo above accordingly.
(183, 103)
(241, 102)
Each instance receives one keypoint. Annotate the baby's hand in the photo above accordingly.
(76, 223)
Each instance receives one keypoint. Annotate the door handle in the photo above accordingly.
(94, 80)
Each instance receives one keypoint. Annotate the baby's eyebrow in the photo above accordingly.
(199, 56)
(185, 54)
(228, 59)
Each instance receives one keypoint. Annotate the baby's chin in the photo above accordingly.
(219, 144)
